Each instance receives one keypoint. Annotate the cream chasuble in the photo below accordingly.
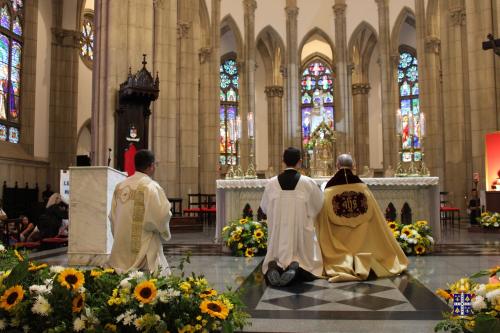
(290, 219)
(140, 215)
(354, 236)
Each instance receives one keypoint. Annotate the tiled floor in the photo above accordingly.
(402, 304)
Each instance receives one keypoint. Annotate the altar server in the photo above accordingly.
(353, 234)
(291, 202)
(140, 215)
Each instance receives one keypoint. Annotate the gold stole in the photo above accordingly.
(138, 217)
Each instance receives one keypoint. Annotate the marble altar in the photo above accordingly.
(421, 193)
(91, 192)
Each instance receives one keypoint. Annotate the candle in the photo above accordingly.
(411, 124)
(238, 127)
(398, 121)
(230, 129)
(250, 124)
(422, 124)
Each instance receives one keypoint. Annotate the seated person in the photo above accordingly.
(50, 221)
(26, 228)
(291, 202)
(354, 237)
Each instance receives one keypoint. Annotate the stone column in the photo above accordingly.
(360, 120)
(428, 53)
(187, 97)
(274, 106)
(343, 121)
(388, 123)
(164, 132)
(63, 96)
(209, 108)
(291, 74)
(248, 66)
(456, 118)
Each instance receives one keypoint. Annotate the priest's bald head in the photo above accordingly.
(345, 161)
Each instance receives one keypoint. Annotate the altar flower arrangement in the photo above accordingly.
(246, 237)
(42, 298)
(415, 238)
(489, 220)
(484, 302)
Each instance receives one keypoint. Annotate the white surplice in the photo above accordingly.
(140, 216)
(290, 218)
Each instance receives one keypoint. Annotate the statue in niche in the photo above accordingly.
(322, 160)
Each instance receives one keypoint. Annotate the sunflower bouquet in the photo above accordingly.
(246, 237)
(484, 302)
(415, 238)
(489, 220)
(37, 297)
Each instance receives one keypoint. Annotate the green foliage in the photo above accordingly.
(246, 237)
(415, 238)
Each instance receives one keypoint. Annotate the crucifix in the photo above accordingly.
(492, 43)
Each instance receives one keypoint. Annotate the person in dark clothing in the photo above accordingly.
(474, 207)
(50, 221)
(47, 194)
(344, 174)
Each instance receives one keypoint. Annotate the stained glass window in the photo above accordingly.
(11, 47)
(229, 98)
(317, 102)
(87, 39)
(411, 135)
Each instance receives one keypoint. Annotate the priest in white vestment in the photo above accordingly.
(140, 215)
(354, 237)
(291, 202)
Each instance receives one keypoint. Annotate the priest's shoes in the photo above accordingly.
(273, 275)
(289, 274)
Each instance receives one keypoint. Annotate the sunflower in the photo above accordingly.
(406, 231)
(77, 303)
(208, 293)
(421, 223)
(258, 234)
(419, 249)
(243, 221)
(215, 309)
(236, 237)
(71, 278)
(11, 297)
(145, 292)
(250, 252)
(392, 225)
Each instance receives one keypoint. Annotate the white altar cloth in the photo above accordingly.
(421, 193)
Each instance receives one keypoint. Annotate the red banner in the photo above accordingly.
(492, 151)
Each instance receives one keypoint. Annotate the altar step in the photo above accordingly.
(194, 249)
(183, 224)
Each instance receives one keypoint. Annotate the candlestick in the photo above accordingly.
(238, 127)
(250, 124)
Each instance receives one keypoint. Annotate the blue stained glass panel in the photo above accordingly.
(231, 113)
(406, 157)
(4, 49)
(236, 81)
(415, 62)
(305, 72)
(414, 89)
(231, 95)
(230, 67)
(405, 60)
(306, 99)
(222, 159)
(415, 106)
(18, 30)
(222, 96)
(417, 156)
(412, 73)
(329, 116)
(401, 75)
(5, 17)
(308, 83)
(224, 81)
(3, 132)
(13, 135)
(328, 98)
(404, 89)
(405, 106)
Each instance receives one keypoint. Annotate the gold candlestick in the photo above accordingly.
(251, 166)
(238, 173)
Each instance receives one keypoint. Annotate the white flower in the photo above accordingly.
(494, 296)
(39, 289)
(3, 324)
(480, 290)
(430, 239)
(128, 317)
(57, 269)
(26, 328)
(125, 283)
(79, 324)
(495, 224)
(41, 306)
(136, 275)
(2, 248)
(165, 295)
(478, 303)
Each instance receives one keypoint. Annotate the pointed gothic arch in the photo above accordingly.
(229, 24)
(361, 45)
(317, 31)
(272, 50)
(405, 15)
